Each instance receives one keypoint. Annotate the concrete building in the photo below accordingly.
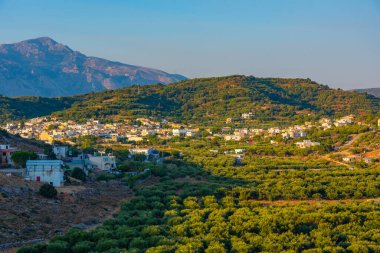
(48, 171)
(6, 152)
(102, 162)
(60, 151)
(150, 153)
(307, 144)
(248, 115)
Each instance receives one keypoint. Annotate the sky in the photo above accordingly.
(333, 42)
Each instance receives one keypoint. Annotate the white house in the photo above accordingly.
(60, 151)
(248, 115)
(48, 171)
(102, 162)
(232, 137)
(6, 152)
(178, 132)
(307, 144)
(150, 153)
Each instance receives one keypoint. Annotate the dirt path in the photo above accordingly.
(352, 140)
(326, 157)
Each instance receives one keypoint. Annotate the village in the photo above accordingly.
(51, 130)
(61, 135)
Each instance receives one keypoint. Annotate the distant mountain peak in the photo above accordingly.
(45, 67)
(372, 91)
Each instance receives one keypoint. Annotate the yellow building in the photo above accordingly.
(45, 136)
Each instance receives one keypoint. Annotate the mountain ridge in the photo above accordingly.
(200, 100)
(44, 67)
(372, 91)
(215, 99)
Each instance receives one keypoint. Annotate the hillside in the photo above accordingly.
(372, 91)
(214, 99)
(44, 67)
(30, 107)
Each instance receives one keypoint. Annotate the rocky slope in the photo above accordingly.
(44, 67)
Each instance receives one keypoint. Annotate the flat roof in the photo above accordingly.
(44, 162)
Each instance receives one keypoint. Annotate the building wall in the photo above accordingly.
(48, 173)
(103, 162)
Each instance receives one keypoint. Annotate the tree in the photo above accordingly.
(48, 191)
(20, 157)
(215, 247)
(78, 173)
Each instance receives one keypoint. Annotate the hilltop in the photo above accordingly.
(214, 99)
(44, 67)
(204, 100)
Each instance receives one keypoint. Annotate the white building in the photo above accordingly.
(232, 137)
(6, 152)
(307, 144)
(60, 151)
(102, 162)
(178, 132)
(48, 171)
(248, 115)
(150, 153)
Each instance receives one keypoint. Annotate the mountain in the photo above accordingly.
(213, 99)
(44, 67)
(372, 91)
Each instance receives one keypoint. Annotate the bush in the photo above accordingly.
(106, 177)
(57, 247)
(78, 173)
(20, 157)
(83, 247)
(32, 249)
(48, 191)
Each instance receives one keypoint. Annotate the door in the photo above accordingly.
(38, 179)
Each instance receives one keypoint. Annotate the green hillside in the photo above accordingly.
(205, 100)
(214, 99)
(30, 107)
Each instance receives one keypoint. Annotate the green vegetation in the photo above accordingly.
(30, 107)
(192, 209)
(211, 100)
(208, 99)
(211, 195)
(78, 173)
(20, 157)
(48, 191)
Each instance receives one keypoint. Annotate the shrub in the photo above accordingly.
(20, 157)
(83, 247)
(78, 173)
(57, 247)
(48, 191)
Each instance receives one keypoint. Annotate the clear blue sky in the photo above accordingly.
(334, 42)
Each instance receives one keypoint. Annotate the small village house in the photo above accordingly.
(48, 171)
(60, 151)
(6, 152)
(102, 162)
(150, 153)
(307, 144)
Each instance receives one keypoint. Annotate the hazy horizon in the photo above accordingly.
(334, 43)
